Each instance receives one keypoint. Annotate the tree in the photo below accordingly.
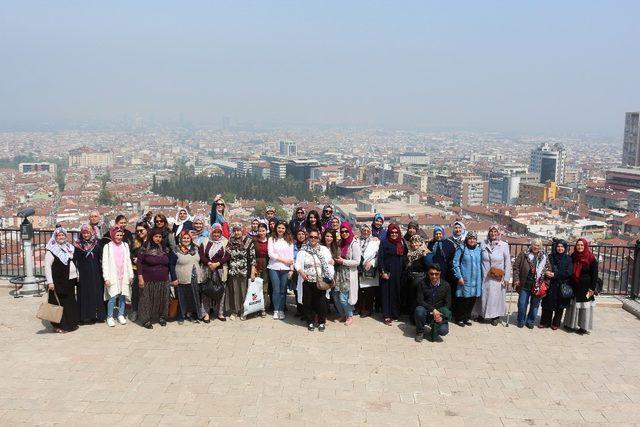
(105, 197)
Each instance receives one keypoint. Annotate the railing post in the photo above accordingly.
(635, 279)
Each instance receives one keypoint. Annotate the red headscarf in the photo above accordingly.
(581, 259)
(398, 240)
(113, 230)
(344, 243)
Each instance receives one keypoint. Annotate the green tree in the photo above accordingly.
(105, 197)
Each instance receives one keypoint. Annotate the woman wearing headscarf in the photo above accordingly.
(367, 270)
(155, 267)
(87, 256)
(579, 315)
(443, 251)
(253, 230)
(419, 257)
(377, 227)
(554, 303)
(313, 221)
(529, 268)
(199, 234)
(182, 222)
(298, 220)
(458, 234)
(467, 269)
(62, 278)
(117, 273)
(496, 271)
(412, 230)
(314, 263)
(190, 275)
(216, 216)
(327, 216)
(215, 256)
(346, 273)
(391, 259)
(241, 264)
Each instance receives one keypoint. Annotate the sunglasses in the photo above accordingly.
(344, 231)
(219, 204)
(314, 237)
(159, 220)
(434, 274)
(393, 232)
(140, 230)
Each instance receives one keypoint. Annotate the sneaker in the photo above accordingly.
(310, 326)
(110, 322)
(276, 316)
(321, 327)
(281, 315)
(122, 320)
(530, 325)
(263, 314)
(133, 316)
(419, 337)
(243, 317)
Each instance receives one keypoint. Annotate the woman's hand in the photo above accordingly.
(288, 262)
(549, 274)
(107, 283)
(290, 274)
(174, 283)
(339, 260)
(590, 293)
(385, 276)
(51, 287)
(140, 282)
(460, 281)
(367, 265)
(305, 276)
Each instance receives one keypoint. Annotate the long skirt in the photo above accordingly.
(70, 316)
(154, 301)
(207, 304)
(580, 315)
(235, 293)
(189, 299)
(492, 304)
(91, 305)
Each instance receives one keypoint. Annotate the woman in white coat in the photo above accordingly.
(345, 294)
(367, 270)
(314, 263)
(118, 275)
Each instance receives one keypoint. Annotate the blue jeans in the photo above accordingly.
(341, 301)
(279, 280)
(425, 318)
(112, 302)
(523, 303)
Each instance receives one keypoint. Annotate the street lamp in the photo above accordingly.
(29, 284)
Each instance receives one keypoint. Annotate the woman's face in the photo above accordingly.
(86, 234)
(122, 223)
(182, 215)
(159, 222)
(493, 234)
(61, 238)
(560, 249)
(411, 231)
(280, 230)
(216, 234)
(415, 245)
(141, 232)
(220, 207)
(254, 225)
(117, 237)
(472, 241)
(313, 220)
(272, 225)
(365, 233)
(335, 223)
(237, 233)
(185, 239)
(378, 222)
(262, 233)
(457, 229)
(198, 225)
(393, 233)
(328, 238)
(580, 246)
(301, 236)
(314, 237)
(157, 239)
(535, 248)
(438, 235)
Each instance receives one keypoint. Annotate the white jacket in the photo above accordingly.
(352, 261)
(110, 273)
(299, 266)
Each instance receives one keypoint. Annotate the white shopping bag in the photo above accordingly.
(254, 301)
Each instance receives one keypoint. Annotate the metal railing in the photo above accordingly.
(619, 266)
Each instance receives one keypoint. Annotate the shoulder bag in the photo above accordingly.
(540, 285)
(50, 312)
(324, 284)
(495, 273)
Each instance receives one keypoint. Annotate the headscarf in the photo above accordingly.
(556, 258)
(415, 254)
(296, 223)
(377, 231)
(251, 234)
(469, 235)
(412, 224)
(112, 232)
(459, 240)
(344, 243)
(180, 223)
(581, 260)
(192, 248)
(437, 244)
(151, 247)
(397, 241)
(216, 245)
(64, 251)
(493, 243)
(86, 245)
(235, 243)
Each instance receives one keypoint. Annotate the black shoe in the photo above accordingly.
(582, 332)
(311, 326)
(222, 319)
(495, 322)
(321, 327)
(529, 325)
(206, 320)
(196, 321)
(162, 322)
(468, 323)
(520, 325)
(148, 325)
(419, 336)
(461, 324)
(438, 338)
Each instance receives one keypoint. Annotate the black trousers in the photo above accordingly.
(365, 300)
(463, 307)
(314, 302)
(551, 316)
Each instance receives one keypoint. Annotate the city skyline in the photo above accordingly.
(542, 68)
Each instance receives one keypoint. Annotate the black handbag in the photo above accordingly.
(566, 291)
(213, 287)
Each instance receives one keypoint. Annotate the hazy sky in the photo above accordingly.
(524, 66)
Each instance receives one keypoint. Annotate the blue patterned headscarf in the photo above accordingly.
(64, 251)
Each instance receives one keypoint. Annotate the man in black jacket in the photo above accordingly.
(434, 306)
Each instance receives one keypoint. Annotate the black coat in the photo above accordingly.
(562, 267)
(91, 303)
(586, 282)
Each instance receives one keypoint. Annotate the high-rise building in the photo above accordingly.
(504, 184)
(463, 189)
(88, 157)
(548, 161)
(288, 148)
(277, 169)
(37, 167)
(631, 141)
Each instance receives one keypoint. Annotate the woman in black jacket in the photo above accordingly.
(554, 303)
(579, 316)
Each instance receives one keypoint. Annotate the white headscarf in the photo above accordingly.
(179, 222)
(64, 251)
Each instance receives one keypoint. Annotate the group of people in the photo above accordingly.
(108, 274)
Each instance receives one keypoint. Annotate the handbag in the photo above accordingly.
(173, 307)
(50, 312)
(326, 283)
(496, 273)
(213, 287)
(539, 288)
(566, 290)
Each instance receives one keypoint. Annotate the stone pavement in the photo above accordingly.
(267, 372)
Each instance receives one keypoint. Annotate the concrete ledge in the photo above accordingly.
(632, 306)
